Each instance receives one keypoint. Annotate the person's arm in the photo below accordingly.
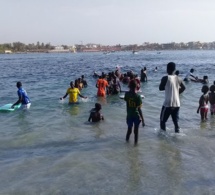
(90, 117)
(200, 103)
(141, 116)
(64, 96)
(182, 87)
(82, 96)
(18, 101)
(163, 83)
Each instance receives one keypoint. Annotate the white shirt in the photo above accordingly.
(172, 91)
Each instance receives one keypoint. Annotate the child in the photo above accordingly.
(134, 112)
(212, 99)
(203, 103)
(95, 114)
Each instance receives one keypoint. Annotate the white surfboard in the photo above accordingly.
(7, 107)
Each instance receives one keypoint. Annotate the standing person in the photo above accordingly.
(203, 103)
(212, 99)
(83, 81)
(173, 86)
(143, 75)
(23, 97)
(73, 93)
(101, 84)
(95, 114)
(134, 112)
(116, 87)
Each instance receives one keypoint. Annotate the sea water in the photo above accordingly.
(52, 149)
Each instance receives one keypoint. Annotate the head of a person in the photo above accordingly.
(71, 84)
(191, 70)
(170, 67)
(132, 84)
(144, 68)
(19, 84)
(212, 88)
(205, 77)
(205, 89)
(177, 72)
(82, 76)
(98, 106)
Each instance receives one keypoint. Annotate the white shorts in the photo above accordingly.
(25, 106)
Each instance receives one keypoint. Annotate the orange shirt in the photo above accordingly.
(102, 84)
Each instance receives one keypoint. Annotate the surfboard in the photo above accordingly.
(7, 107)
(123, 95)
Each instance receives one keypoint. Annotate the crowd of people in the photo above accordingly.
(109, 84)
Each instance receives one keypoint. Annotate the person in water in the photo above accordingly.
(190, 76)
(95, 115)
(212, 99)
(143, 75)
(23, 97)
(102, 84)
(173, 86)
(177, 72)
(73, 93)
(204, 80)
(203, 103)
(134, 112)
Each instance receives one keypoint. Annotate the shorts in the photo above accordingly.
(133, 120)
(25, 106)
(204, 109)
(213, 108)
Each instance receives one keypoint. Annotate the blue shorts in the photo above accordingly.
(133, 120)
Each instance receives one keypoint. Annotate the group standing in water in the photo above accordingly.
(109, 84)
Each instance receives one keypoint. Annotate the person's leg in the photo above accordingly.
(129, 131)
(136, 134)
(175, 118)
(202, 113)
(136, 129)
(165, 113)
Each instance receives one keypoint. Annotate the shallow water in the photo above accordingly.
(52, 149)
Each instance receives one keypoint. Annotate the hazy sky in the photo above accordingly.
(106, 22)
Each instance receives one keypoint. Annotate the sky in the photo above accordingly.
(106, 22)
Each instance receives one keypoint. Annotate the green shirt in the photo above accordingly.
(133, 102)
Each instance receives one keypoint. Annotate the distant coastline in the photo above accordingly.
(20, 48)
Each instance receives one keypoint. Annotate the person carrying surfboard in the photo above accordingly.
(23, 97)
(134, 112)
(73, 93)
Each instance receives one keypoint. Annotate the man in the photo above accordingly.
(23, 97)
(190, 76)
(73, 94)
(101, 85)
(134, 112)
(173, 86)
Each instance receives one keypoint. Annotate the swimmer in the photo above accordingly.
(190, 77)
(95, 114)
